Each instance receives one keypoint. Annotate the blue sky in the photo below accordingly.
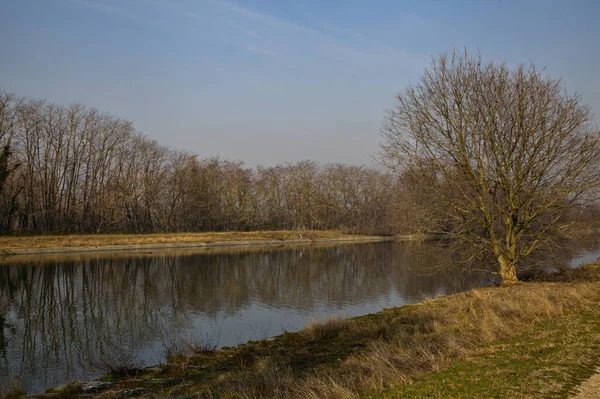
(276, 80)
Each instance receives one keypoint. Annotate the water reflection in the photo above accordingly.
(59, 316)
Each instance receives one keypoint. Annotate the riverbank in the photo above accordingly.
(533, 339)
(47, 244)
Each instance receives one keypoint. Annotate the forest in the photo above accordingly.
(74, 169)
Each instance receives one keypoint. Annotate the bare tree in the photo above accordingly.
(507, 152)
(9, 106)
(8, 118)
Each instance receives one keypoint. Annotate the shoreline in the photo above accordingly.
(189, 245)
(333, 348)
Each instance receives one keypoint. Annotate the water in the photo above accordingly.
(585, 257)
(62, 316)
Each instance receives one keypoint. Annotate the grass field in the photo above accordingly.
(535, 340)
(547, 362)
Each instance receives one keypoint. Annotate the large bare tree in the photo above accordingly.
(507, 151)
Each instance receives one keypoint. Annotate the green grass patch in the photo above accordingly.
(547, 362)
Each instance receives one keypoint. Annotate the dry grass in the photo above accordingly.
(15, 390)
(118, 364)
(424, 338)
(179, 351)
(328, 329)
(69, 391)
(98, 240)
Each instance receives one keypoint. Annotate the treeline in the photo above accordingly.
(72, 169)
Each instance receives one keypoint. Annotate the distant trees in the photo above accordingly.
(502, 154)
(73, 169)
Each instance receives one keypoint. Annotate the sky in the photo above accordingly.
(271, 81)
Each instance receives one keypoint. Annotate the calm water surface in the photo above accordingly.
(60, 317)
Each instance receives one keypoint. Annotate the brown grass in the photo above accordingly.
(118, 364)
(328, 329)
(69, 391)
(15, 390)
(98, 240)
(424, 338)
(179, 351)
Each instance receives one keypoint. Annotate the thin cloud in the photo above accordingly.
(328, 36)
(105, 8)
(336, 39)
(245, 31)
(102, 7)
(378, 46)
(255, 49)
(244, 45)
(256, 16)
(278, 23)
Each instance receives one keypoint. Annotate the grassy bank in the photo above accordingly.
(549, 361)
(101, 240)
(536, 339)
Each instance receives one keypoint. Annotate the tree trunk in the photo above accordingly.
(508, 271)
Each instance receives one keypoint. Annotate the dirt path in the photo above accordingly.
(590, 389)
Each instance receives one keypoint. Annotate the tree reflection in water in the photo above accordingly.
(59, 316)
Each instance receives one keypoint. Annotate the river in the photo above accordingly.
(61, 317)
